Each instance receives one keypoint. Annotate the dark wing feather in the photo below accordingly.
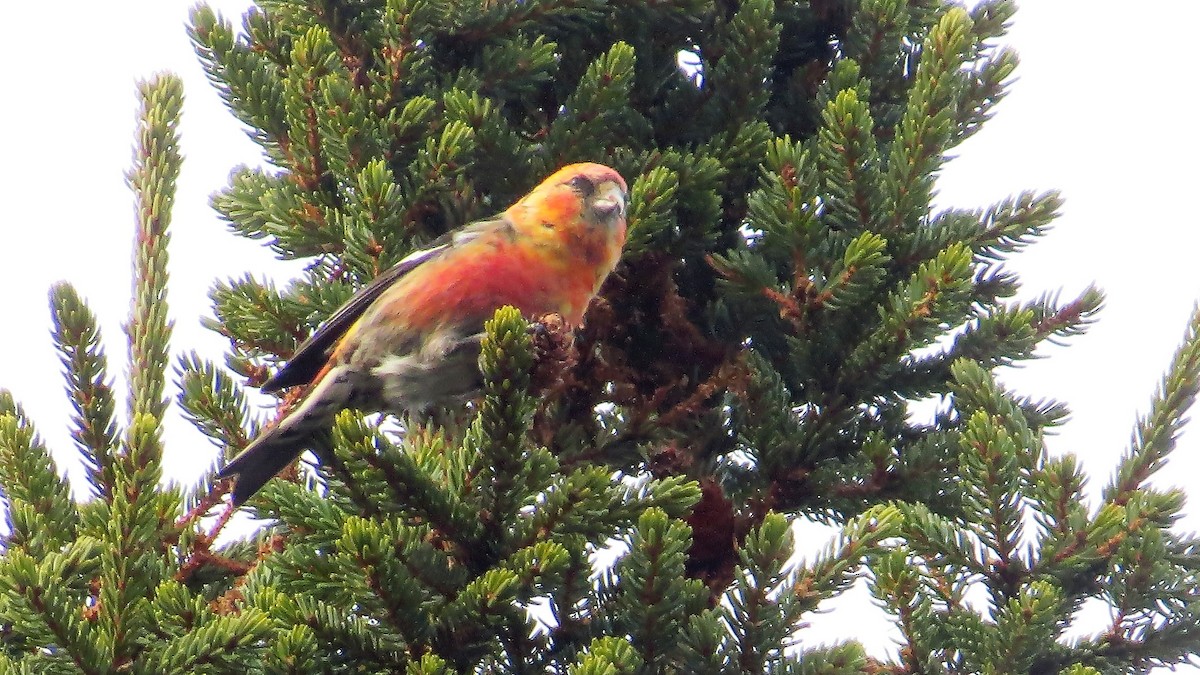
(312, 355)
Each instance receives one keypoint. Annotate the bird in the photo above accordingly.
(409, 341)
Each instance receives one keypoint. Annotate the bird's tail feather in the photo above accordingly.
(259, 462)
(306, 427)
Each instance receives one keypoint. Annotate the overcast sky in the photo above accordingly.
(1103, 109)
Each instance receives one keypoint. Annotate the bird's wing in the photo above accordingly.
(313, 353)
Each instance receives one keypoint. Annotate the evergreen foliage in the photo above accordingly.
(786, 295)
(97, 585)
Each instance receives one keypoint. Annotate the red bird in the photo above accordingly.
(410, 340)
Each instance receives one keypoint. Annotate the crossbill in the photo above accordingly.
(410, 341)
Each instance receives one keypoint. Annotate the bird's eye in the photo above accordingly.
(582, 185)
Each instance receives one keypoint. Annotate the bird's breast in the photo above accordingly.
(470, 286)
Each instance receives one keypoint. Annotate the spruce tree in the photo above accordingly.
(786, 297)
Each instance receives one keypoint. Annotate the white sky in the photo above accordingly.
(1102, 110)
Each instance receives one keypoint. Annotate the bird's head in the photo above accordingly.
(592, 195)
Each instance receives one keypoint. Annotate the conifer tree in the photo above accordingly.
(786, 295)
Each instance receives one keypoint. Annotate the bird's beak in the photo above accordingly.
(609, 199)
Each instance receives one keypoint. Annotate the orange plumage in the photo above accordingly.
(410, 340)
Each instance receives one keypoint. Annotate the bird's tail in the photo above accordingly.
(305, 428)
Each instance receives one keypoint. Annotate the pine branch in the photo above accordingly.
(246, 78)
(990, 468)
(850, 161)
(41, 517)
(41, 600)
(592, 115)
(737, 67)
(875, 38)
(924, 130)
(137, 516)
(212, 401)
(937, 289)
(654, 597)
(1154, 437)
(95, 431)
(498, 436)
(413, 485)
(607, 655)
(156, 167)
